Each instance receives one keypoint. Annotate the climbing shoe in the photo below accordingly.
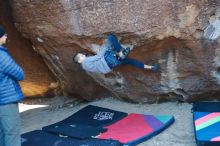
(155, 68)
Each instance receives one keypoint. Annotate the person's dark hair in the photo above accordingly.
(2, 31)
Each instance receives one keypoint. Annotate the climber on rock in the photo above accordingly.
(110, 56)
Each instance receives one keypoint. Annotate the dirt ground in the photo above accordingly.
(35, 115)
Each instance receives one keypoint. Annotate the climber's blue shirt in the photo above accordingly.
(10, 74)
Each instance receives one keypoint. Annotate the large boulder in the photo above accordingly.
(181, 36)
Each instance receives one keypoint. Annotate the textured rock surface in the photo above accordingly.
(38, 77)
(182, 36)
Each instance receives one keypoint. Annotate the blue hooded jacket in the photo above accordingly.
(10, 74)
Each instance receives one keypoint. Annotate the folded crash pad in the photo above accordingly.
(41, 138)
(94, 116)
(136, 128)
(75, 130)
(206, 117)
(86, 122)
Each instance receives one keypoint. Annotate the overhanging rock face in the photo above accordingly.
(181, 36)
